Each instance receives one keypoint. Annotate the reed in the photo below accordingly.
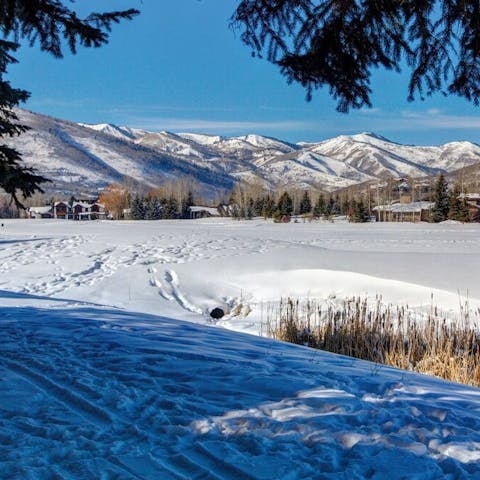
(432, 343)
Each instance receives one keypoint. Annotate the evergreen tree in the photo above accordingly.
(285, 205)
(362, 212)
(137, 208)
(49, 23)
(153, 209)
(330, 207)
(305, 204)
(250, 210)
(268, 206)
(259, 206)
(441, 200)
(319, 208)
(170, 210)
(186, 204)
(458, 209)
(358, 212)
(15, 178)
(337, 209)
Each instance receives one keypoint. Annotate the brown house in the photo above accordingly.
(473, 204)
(61, 210)
(88, 211)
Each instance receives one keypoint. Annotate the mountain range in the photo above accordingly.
(81, 158)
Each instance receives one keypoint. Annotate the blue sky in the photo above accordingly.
(179, 67)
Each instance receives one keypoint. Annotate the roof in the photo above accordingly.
(470, 196)
(210, 210)
(40, 210)
(413, 207)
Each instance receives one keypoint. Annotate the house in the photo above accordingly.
(62, 210)
(473, 204)
(88, 211)
(40, 212)
(80, 211)
(97, 211)
(197, 211)
(404, 212)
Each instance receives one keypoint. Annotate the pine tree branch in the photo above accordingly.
(338, 43)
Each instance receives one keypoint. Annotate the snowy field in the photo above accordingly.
(111, 368)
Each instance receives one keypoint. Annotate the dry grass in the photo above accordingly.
(429, 343)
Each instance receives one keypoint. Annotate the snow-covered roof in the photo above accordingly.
(82, 206)
(413, 207)
(40, 210)
(211, 210)
(470, 196)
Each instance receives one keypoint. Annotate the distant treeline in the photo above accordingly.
(174, 198)
(153, 207)
(246, 207)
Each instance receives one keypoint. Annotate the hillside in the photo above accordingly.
(80, 157)
(84, 159)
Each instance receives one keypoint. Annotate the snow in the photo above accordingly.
(122, 133)
(267, 142)
(111, 367)
(171, 143)
(202, 139)
(213, 211)
(89, 157)
(40, 210)
(308, 168)
(412, 207)
(376, 155)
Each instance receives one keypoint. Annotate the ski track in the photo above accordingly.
(127, 401)
(134, 396)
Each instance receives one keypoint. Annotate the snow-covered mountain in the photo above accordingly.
(92, 156)
(124, 133)
(77, 158)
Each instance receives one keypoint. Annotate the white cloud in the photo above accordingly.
(435, 119)
(410, 120)
(370, 111)
(45, 102)
(179, 124)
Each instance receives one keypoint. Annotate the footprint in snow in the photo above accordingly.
(172, 278)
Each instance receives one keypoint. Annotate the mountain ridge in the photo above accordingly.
(80, 156)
